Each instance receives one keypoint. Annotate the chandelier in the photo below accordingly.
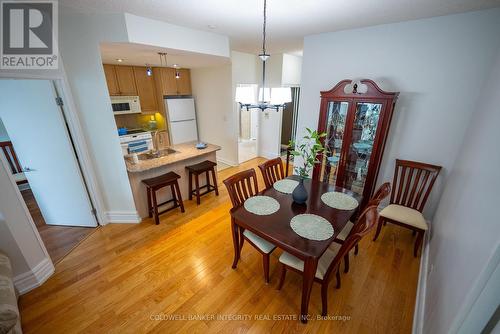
(268, 98)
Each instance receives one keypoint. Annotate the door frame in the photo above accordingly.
(75, 131)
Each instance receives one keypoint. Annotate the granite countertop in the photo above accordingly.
(185, 151)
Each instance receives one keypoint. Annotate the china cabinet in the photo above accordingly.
(356, 116)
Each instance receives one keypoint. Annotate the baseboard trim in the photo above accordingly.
(123, 217)
(227, 162)
(29, 280)
(418, 314)
(268, 155)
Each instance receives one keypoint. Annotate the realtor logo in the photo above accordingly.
(28, 35)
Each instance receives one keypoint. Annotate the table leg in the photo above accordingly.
(310, 265)
(236, 242)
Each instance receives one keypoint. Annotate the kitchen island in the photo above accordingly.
(185, 154)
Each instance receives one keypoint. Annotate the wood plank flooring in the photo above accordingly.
(133, 278)
(59, 240)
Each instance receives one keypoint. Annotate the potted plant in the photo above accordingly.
(308, 151)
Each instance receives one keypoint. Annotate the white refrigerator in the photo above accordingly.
(181, 119)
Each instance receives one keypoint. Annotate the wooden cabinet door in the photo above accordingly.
(126, 80)
(145, 89)
(184, 82)
(109, 72)
(168, 81)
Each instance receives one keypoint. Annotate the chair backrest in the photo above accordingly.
(413, 182)
(272, 171)
(10, 155)
(365, 223)
(382, 192)
(241, 186)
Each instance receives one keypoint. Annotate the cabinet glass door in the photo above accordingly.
(335, 128)
(364, 130)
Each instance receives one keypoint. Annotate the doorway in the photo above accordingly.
(248, 132)
(38, 150)
(289, 121)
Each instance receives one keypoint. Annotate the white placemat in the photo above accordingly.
(285, 186)
(338, 200)
(261, 205)
(311, 227)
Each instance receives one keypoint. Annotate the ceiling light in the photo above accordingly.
(119, 60)
(266, 98)
(149, 70)
(175, 65)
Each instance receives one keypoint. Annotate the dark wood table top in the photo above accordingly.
(276, 227)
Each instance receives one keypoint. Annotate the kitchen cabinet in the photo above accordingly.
(109, 72)
(355, 117)
(170, 85)
(146, 90)
(126, 80)
(184, 82)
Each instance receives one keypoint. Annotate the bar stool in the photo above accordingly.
(197, 169)
(156, 183)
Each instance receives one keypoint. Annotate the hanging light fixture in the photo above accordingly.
(149, 70)
(268, 98)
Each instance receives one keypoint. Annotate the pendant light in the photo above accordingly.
(268, 98)
(163, 58)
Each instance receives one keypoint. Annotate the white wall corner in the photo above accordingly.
(123, 217)
(227, 162)
(268, 155)
(29, 280)
(418, 314)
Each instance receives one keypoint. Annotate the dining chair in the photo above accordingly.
(240, 187)
(272, 171)
(382, 192)
(412, 184)
(330, 261)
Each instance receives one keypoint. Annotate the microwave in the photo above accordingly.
(125, 105)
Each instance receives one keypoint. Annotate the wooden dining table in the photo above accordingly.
(276, 229)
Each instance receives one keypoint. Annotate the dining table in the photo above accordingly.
(276, 229)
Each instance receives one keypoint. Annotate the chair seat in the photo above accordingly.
(264, 245)
(324, 261)
(404, 215)
(345, 231)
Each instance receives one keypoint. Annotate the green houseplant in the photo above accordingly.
(308, 150)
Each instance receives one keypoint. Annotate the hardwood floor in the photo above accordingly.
(59, 240)
(129, 278)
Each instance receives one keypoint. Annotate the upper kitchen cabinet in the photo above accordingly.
(170, 85)
(109, 72)
(146, 89)
(184, 82)
(126, 80)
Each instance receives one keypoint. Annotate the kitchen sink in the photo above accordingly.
(154, 155)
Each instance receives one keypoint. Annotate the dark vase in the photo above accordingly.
(299, 194)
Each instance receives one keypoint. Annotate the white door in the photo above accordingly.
(182, 132)
(38, 133)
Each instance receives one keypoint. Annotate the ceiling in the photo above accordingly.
(140, 55)
(288, 20)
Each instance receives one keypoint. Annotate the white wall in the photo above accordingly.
(147, 31)
(466, 229)
(217, 123)
(83, 66)
(292, 70)
(4, 136)
(19, 238)
(437, 64)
